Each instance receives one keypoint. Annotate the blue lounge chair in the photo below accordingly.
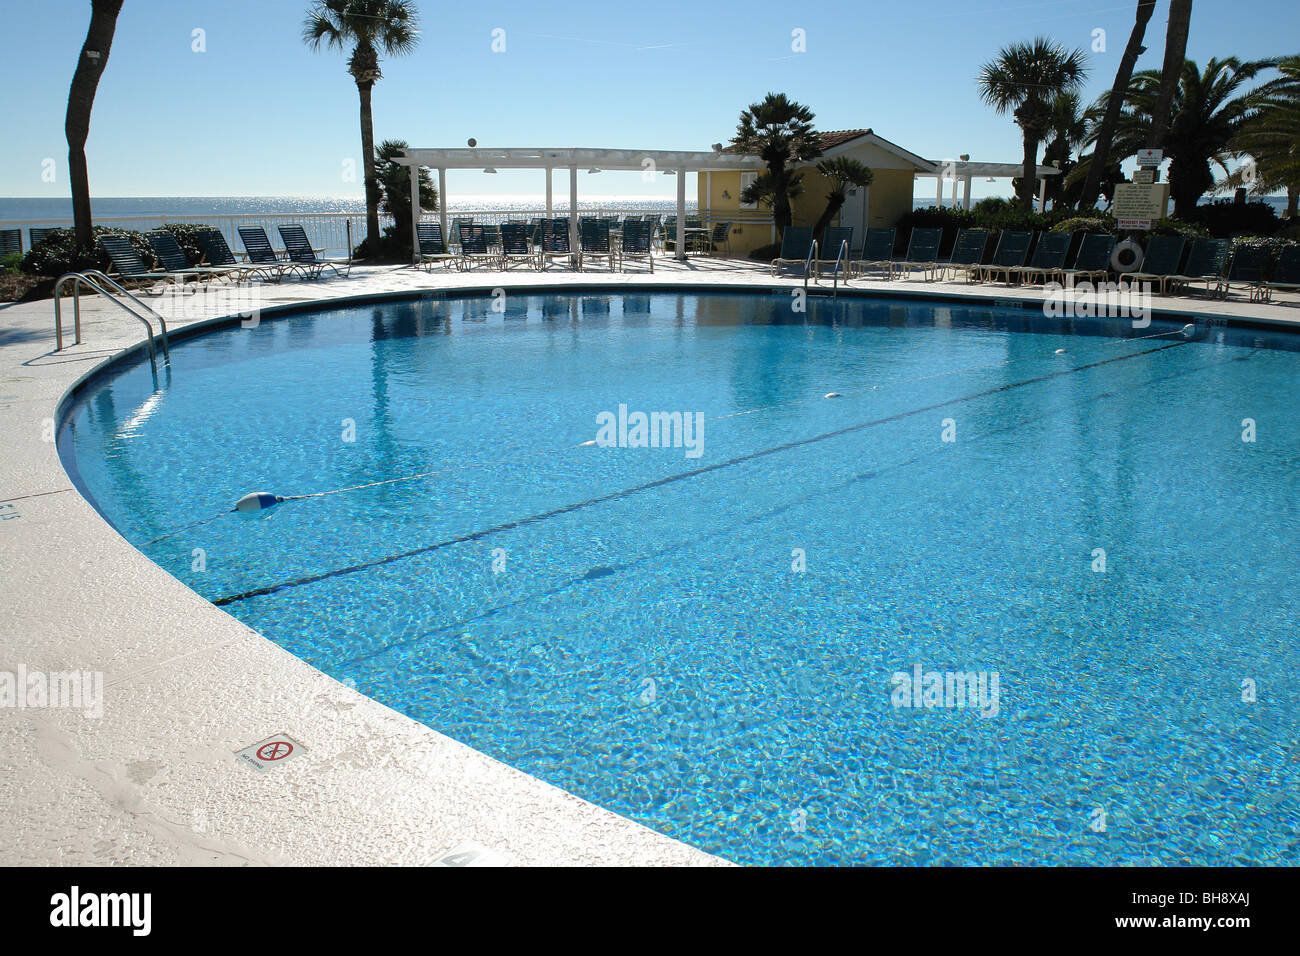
(297, 245)
(475, 250)
(877, 253)
(258, 248)
(1247, 268)
(1204, 264)
(1012, 250)
(1092, 261)
(128, 263)
(217, 253)
(594, 244)
(922, 252)
(836, 243)
(1286, 274)
(555, 243)
(721, 238)
(1048, 260)
(637, 243)
(433, 249)
(515, 247)
(796, 247)
(967, 253)
(169, 252)
(1160, 264)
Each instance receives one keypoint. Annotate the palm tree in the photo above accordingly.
(370, 27)
(395, 184)
(843, 172)
(1270, 135)
(1206, 117)
(1180, 20)
(1023, 80)
(1115, 101)
(781, 132)
(81, 97)
(1069, 128)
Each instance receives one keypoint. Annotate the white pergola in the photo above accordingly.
(572, 158)
(964, 171)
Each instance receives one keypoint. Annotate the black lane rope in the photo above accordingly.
(649, 556)
(278, 499)
(672, 479)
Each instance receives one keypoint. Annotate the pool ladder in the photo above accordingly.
(841, 256)
(114, 293)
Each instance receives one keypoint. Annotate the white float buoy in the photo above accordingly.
(587, 443)
(832, 395)
(1060, 351)
(257, 500)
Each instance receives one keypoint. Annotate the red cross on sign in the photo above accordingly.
(275, 750)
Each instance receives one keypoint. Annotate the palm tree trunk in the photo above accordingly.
(368, 165)
(833, 205)
(1029, 173)
(1106, 132)
(81, 97)
(1180, 17)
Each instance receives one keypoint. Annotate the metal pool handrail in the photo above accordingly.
(842, 254)
(808, 263)
(93, 278)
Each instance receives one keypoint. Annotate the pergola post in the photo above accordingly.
(415, 214)
(573, 209)
(938, 189)
(1042, 194)
(708, 197)
(681, 214)
(549, 179)
(965, 192)
(442, 204)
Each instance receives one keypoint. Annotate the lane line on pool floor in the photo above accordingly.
(672, 479)
(650, 556)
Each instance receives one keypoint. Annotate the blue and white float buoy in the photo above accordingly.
(257, 500)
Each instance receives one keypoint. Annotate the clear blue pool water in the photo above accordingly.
(648, 643)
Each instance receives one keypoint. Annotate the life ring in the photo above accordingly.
(1127, 257)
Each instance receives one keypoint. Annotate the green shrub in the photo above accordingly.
(1227, 218)
(1177, 227)
(1103, 223)
(1273, 245)
(11, 262)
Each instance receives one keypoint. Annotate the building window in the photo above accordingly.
(745, 180)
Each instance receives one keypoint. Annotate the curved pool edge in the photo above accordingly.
(156, 780)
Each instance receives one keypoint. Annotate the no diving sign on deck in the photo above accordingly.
(270, 752)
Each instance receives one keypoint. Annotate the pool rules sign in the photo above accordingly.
(1143, 201)
(270, 752)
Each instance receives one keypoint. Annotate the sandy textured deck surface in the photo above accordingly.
(156, 779)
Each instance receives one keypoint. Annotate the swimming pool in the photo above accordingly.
(705, 636)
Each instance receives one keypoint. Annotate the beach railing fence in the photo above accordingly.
(329, 232)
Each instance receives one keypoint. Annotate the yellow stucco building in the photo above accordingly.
(881, 204)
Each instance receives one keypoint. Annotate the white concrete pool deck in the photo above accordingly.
(155, 780)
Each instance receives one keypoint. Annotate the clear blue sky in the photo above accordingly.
(260, 114)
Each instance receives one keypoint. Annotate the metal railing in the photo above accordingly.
(333, 232)
(808, 264)
(113, 293)
(841, 255)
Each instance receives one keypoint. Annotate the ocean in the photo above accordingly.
(178, 208)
